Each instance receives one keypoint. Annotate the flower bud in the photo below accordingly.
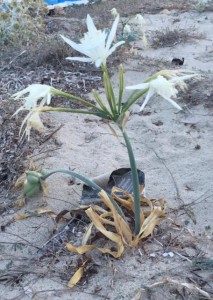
(127, 29)
(31, 189)
(114, 12)
(32, 183)
(33, 177)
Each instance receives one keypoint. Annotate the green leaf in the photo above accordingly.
(100, 102)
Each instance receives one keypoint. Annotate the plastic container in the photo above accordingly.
(120, 178)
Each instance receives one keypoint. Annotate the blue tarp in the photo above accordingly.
(54, 2)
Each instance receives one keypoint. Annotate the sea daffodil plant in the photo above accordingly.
(98, 45)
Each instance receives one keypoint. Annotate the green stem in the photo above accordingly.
(135, 181)
(76, 175)
(100, 114)
(88, 182)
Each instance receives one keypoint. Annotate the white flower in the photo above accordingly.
(161, 86)
(95, 44)
(114, 12)
(127, 29)
(33, 121)
(34, 92)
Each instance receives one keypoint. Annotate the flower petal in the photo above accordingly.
(140, 86)
(75, 46)
(23, 122)
(18, 110)
(90, 25)
(32, 94)
(112, 33)
(115, 46)
(149, 94)
(83, 59)
(33, 121)
(173, 103)
(182, 78)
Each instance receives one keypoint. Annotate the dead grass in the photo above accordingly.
(146, 63)
(199, 93)
(54, 53)
(167, 37)
(126, 7)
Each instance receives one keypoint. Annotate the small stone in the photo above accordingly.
(152, 254)
(165, 12)
(190, 252)
(165, 254)
(171, 254)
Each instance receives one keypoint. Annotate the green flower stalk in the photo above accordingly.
(135, 181)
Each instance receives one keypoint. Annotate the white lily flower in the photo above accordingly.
(161, 86)
(114, 12)
(35, 93)
(95, 44)
(127, 29)
(33, 120)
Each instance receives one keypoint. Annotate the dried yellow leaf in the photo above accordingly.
(87, 234)
(42, 211)
(79, 250)
(149, 224)
(100, 218)
(128, 202)
(20, 181)
(120, 224)
(116, 238)
(21, 217)
(77, 276)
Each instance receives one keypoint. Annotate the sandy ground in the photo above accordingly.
(172, 148)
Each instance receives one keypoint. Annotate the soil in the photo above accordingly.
(173, 149)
